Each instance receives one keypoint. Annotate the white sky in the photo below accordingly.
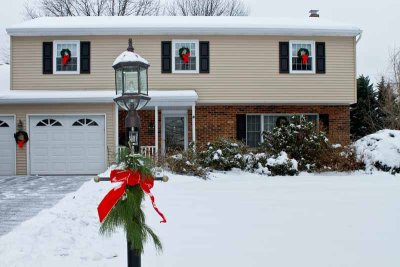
(380, 21)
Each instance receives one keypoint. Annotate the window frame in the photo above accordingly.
(197, 45)
(313, 63)
(78, 56)
(262, 115)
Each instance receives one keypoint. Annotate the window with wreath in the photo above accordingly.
(302, 58)
(185, 56)
(85, 122)
(48, 122)
(66, 57)
(257, 124)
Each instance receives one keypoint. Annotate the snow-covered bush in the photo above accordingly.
(299, 139)
(277, 165)
(223, 154)
(186, 162)
(380, 150)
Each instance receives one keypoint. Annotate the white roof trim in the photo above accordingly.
(158, 98)
(64, 26)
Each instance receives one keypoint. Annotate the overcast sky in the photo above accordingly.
(380, 21)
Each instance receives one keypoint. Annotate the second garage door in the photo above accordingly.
(67, 144)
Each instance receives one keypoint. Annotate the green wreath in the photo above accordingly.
(63, 54)
(184, 53)
(305, 50)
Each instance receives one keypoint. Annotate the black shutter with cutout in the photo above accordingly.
(241, 127)
(324, 122)
(320, 57)
(85, 57)
(166, 57)
(47, 58)
(204, 57)
(283, 57)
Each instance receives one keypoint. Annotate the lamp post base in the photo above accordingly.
(134, 257)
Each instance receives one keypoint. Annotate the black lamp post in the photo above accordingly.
(132, 94)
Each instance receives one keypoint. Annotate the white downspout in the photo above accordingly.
(156, 128)
(194, 123)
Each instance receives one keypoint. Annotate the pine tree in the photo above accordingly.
(364, 115)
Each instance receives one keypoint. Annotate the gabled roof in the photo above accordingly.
(64, 26)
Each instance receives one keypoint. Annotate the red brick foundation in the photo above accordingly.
(213, 122)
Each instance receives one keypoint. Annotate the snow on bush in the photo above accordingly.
(380, 150)
(276, 165)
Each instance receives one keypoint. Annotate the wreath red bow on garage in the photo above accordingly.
(21, 138)
(184, 54)
(65, 56)
(303, 53)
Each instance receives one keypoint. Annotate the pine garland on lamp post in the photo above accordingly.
(134, 171)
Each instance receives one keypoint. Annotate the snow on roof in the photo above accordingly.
(131, 25)
(128, 56)
(4, 78)
(158, 98)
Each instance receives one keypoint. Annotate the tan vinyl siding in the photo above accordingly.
(22, 110)
(242, 69)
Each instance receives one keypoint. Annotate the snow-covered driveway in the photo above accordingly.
(234, 219)
(22, 197)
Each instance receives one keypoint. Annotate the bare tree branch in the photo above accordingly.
(206, 8)
(58, 8)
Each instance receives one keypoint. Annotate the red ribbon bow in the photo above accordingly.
(131, 178)
(304, 59)
(185, 57)
(65, 60)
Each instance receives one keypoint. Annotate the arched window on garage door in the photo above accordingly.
(49, 122)
(3, 124)
(85, 122)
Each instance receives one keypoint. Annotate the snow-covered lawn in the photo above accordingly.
(234, 219)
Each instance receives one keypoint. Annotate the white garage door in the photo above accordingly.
(67, 144)
(7, 145)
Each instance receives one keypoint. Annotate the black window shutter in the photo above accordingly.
(324, 122)
(85, 57)
(48, 58)
(320, 59)
(166, 57)
(204, 57)
(241, 127)
(283, 57)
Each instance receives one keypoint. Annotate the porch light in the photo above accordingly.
(131, 82)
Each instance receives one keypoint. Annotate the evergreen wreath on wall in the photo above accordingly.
(184, 54)
(65, 56)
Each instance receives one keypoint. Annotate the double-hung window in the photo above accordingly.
(302, 56)
(185, 56)
(66, 57)
(256, 124)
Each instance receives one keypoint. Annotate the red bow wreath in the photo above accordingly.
(131, 178)
(184, 54)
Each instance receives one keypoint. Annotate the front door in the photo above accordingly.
(174, 131)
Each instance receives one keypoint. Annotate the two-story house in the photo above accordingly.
(242, 75)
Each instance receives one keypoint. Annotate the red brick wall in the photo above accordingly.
(220, 121)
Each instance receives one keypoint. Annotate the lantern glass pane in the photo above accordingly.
(131, 81)
(118, 81)
(143, 81)
(142, 103)
(132, 103)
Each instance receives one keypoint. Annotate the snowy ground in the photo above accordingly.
(235, 219)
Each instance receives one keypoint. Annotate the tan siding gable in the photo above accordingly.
(242, 69)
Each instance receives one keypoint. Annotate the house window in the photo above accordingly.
(66, 57)
(3, 124)
(85, 121)
(182, 65)
(257, 124)
(48, 122)
(253, 130)
(302, 56)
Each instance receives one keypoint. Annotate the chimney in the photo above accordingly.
(314, 13)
